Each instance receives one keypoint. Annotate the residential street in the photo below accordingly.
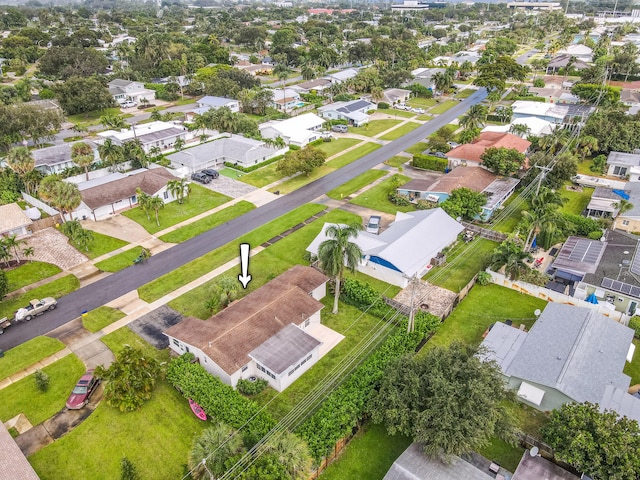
(116, 285)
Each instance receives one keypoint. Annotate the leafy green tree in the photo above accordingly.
(128, 470)
(130, 379)
(20, 160)
(81, 95)
(114, 121)
(4, 284)
(42, 380)
(593, 93)
(213, 451)
(464, 202)
(468, 135)
(67, 62)
(512, 257)
(502, 161)
(447, 400)
(338, 252)
(599, 164)
(302, 161)
(600, 444)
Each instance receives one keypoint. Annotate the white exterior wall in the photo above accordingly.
(320, 292)
(283, 381)
(208, 364)
(383, 273)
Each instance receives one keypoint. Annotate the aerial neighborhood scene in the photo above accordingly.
(328, 240)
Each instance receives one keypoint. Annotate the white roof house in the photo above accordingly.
(581, 52)
(537, 126)
(404, 249)
(298, 131)
(354, 111)
(342, 76)
(209, 102)
(153, 134)
(545, 111)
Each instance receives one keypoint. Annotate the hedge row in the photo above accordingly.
(212, 395)
(430, 162)
(343, 409)
(253, 167)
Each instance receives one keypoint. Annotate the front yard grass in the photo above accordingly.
(90, 119)
(584, 168)
(120, 261)
(633, 368)
(117, 340)
(55, 289)
(298, 181)
(200, 200)
(337, 145)
(352, 155)
(369, 455)
(103, 244)
(24, 397)
(417, 148)
(207, 223)
(377, 198)
(29, 273)
(231, 173)
(463, 264)
(400, 131)
(397, 161)
(398, 113)
(26, 354)
(576, 202)
(419, 102)
(97, 319)
(374, 127)
(263, 176)
(163, 426)
(196, 268)
(356, 184)
(467, 92)
(443, 107)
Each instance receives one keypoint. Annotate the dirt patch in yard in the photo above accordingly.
(151, 326)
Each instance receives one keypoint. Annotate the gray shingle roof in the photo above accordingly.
(233, 149)
(13, 463)
(621, 158)
(284, 349)
(621, 401)
(215, 101)
(56, 154)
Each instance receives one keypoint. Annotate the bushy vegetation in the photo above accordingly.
(430, 162)
(247, 387)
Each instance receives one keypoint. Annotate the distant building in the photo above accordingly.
(154, 134)
(550, 6)
(57, 158)
(298, 131)
(342, 76)
(123, 90)
(469, 154)
(354, 111)
(213, 103)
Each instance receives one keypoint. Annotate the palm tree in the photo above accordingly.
(587, 145)
(156, 204)
(227, 291)
(339, 251)
(115, 122)
(622, 206)
(307, 71)
(555, 140)
(177, 189)
(443, 81)
(11, 241)
(66, 197)
(475, 117)
(377, 94)
(512, 257)
(520, 129)
(211, 450)
(5, 254)
(28, 252)
(110, 153)
(292, 452)
(143, 201)
(133, 151)
(178, 144)
(20, 160)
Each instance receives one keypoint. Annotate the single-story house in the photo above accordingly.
(154, 134)
(209, 102)
(354, 111)
(298, 131)
(342, 76)
(577, 257)
(562, 61)
(536, 467)
(602, 203)
(318, 85)
(262, 69)
(424, 77)
(286, 99)
(631, 98)
(57, 158)
(404, 250)
(13, 220)
(621, 164)
(269, 334)
(555, 95)
(105, 196)
(45, 105)
(236, 149)
(396, 95)
(629, 221)
(496, 189)
(571, 354)
(123, 90)
(579, 51)
(469, 153)
(536, 126)
(559, 114)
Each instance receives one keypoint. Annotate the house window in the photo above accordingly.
(621, 171)
(292, 372)
(307, 322)
(166, 195)
(176, 342)
(625, 222)
(309, 357)
(245, 368)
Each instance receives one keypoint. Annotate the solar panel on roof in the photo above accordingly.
(621, 287)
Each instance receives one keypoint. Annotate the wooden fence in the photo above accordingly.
(485, 232)
(43, 223)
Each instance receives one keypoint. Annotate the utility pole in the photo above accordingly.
(413, 281)
(546, 170)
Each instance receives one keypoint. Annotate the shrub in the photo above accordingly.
(162, 92)
(46, 94)
(253, 167)
(343, 97)
(595, 235)
(399, 199)
(248, 387)
(42, 380)
(383, 106)
(582, 226)
(430, 162)
(538, 83)
(436, 145)
(634, 324)
(484, 278)
(423, 204)
(4, 284)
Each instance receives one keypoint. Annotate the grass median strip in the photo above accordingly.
(352, 155)
(29, 273)
(207, 223)
(356, 184)
(97, 319)
(119, 262)
(374, 127)
(337, 146)
(28, 353)
(55, 289)
(443, 107)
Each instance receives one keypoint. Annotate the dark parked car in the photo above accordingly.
(201, 177)
(82, 391)
(211, 173)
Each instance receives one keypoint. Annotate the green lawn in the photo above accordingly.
(467, 92)
(55, 289)
(26, 354)
(93, 118)
(397, 161)
(120, 261)
(376, 198)
(419, 102)
(352, 155)
(103, 244)
(201, 200)
(124, 336)
(504, 454)
(97, 319)
(24, 397)
(263, 176)
(633, 369)
(398, 113)
(417, 148)
(337, 145)
(509, 222)
(356, 184)
(156, 439)
(29, 273)
(374, 127)
(196, 268)
(400, 131)
(483, 306)
(231, 173)
(298, 181)
(369, 455)
(576, 201)
(463, 262)
(207, 223)
(425, 117)
(443, 107)
(584, 168)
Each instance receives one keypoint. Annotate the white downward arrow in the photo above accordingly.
(244, 278)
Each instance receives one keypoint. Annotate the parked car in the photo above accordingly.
(129, 104)
(417, 110)
(340, 128)
(403, 106)
(36, 307)
(440, 155)
(201, 177)
(82, 391)
(373, 226)
(211, 173)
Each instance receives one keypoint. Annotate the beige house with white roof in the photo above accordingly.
(13, 220)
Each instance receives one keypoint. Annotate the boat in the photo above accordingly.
(197, 410)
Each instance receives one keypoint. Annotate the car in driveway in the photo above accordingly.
(82, 391)
(128, 104)
(201, 177)
(211, 173)
(36, 307)
(340, 128)
(373, 226)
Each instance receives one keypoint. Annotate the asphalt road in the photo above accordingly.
(103, 291)
(524, 58)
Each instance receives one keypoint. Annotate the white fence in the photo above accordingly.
(39, 203)
(102, 172)
(552, 296)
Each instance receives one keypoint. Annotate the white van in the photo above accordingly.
(373, 226)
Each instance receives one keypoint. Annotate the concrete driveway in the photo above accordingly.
(118, 226)
(51, 246)
(230, 187)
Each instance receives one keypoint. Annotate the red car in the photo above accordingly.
(82, 391)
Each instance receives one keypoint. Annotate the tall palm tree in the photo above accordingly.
(520, 129)
(66, 198)
(622, 206)
(115, 122)
(338, 252)
(211, 450)
(156, 204)
(20, 160)
(11, 241)
(177, 188)
(143, 201)
(443, 81)
(555, 140)
(512, 257)
(587, 145)
(475, 117)
(110, 153)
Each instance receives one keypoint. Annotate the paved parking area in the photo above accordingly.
(230, 187)
(151, 325)
(51, 246)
